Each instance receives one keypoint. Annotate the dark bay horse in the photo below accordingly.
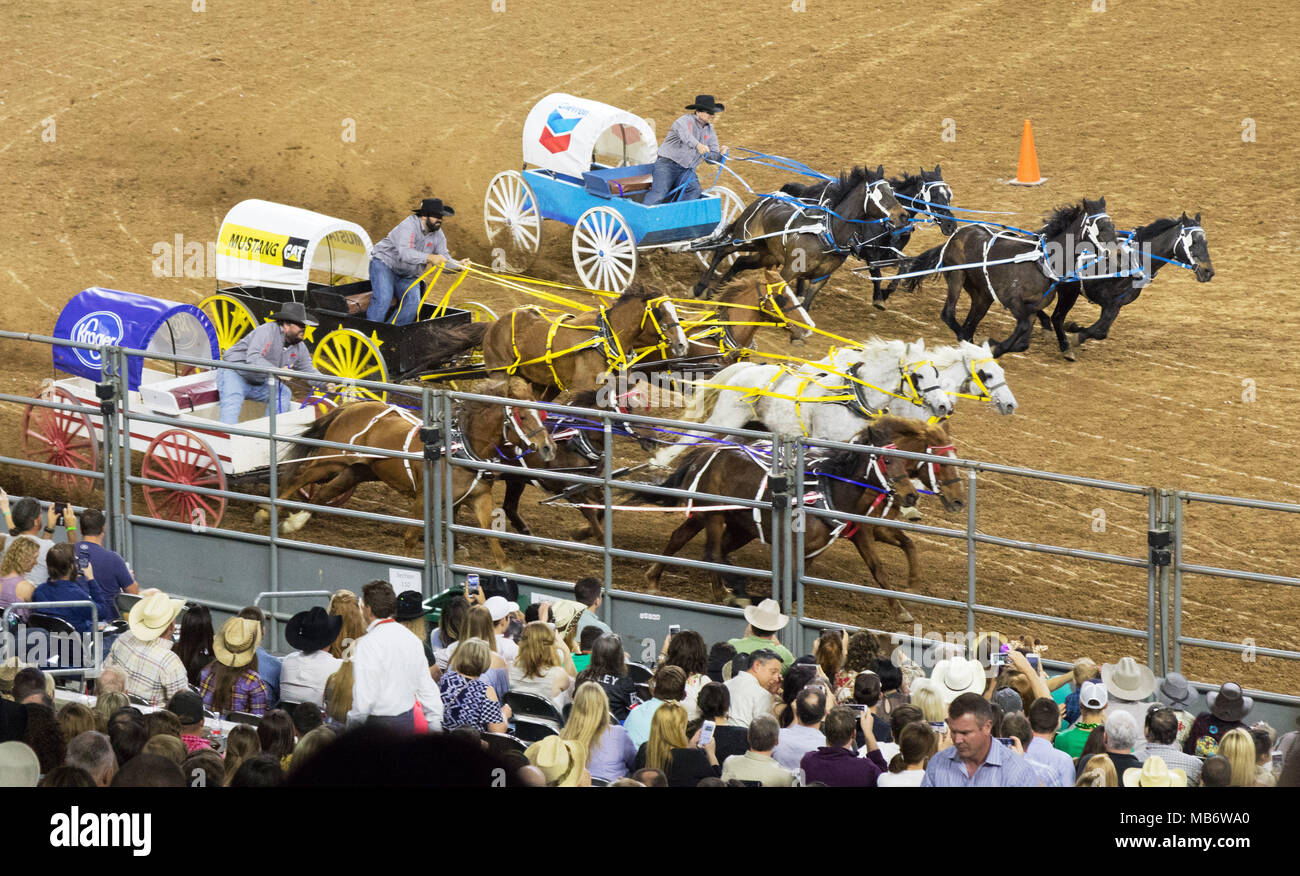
(573, 351)
(1070, 243)
(859, 483)
(808, 242)
(924, 193)
(1180, 240)
(481, 428)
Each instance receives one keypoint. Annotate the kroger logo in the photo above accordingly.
(100, 328)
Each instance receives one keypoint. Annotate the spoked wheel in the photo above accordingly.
(479, 311)
(513, 221)
(351, 355)
(58, 437)
(308, 493)
(230, 317)
(604, 250)
(185, 459)
(731, 207)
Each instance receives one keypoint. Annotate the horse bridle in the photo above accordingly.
(662, 328)
(1090, 230)
(514, 419)
(933, 467)
(908, 381)
(985, 389)
(1186, 237)
(926, 196)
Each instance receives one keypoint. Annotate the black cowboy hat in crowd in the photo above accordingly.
(293, 311)
(410, 605)
(313, 630)
(433, 207)
(706, 103)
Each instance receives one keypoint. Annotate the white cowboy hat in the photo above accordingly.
(1128, 679)
(766, 616)
(1155, 773)
(151, 616)
(956, 676)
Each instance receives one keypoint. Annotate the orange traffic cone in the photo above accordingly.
(1027, 172)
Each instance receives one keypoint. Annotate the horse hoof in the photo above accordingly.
(905, 617)
(1069, 356)
(879, 305)
(798, 342)
(912, 513)
(261, 517)
(738, 601)
(295, 522)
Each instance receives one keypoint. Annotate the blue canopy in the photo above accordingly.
(125, 319)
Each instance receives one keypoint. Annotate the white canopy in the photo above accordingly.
(262, 243)
(566, 133)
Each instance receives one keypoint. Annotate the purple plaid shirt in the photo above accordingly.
(250, 693)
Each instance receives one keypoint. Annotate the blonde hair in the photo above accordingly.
(537, 650)
(20, 556)
(417, 625)
(589, 718)
(667, 731)
(471, 658)
(1099, 772)
(242, 743)
(927, 699)
(344, 603)
(168, 746)
(479, 625)
(338, 692)
(311, 744)
(1238, 746)
(75, 719)
(1085, 669)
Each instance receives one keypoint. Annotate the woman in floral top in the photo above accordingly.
(231, 683)
(467, 701)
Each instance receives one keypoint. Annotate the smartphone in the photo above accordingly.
(471, 586)
(1277, 762)
(674, 629)
(1033, 660)
(939, 726)
(706, 733)
(857, 707)
(997, 660)
(59, 508)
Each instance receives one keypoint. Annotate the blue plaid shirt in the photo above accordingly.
(1003, 768)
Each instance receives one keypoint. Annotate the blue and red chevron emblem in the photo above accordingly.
(557, 131)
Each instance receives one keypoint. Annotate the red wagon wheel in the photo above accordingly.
(308, 493)
(185, 459)
(58, 437)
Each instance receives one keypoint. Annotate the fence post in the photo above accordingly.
(449, 479)
(106, 392)
(429, 440)
(799, 525)
(607, 517)
(1178, 503)
(122, 439)
(970, 553)
(273, 408)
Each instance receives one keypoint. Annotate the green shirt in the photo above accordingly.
(750, 644)
(1072, 741)
(581, 661)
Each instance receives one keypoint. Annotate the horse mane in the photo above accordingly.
(902, 183)
(1155, 229)
(811, 190)
(945, 357)
(1061, 219)
(638, 291)
(466, 409)
(840, 187)
(585, 398)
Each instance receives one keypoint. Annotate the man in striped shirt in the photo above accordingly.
(976, 760)
(144, 652)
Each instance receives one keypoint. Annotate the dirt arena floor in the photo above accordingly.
(125, 125)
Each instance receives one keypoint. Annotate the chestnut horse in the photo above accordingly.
(480, 428)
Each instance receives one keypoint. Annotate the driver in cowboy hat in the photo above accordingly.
(690, 139)
(271, 345)
(397, 261)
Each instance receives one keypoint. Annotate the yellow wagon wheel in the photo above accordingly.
(230, 317)
(348, 354)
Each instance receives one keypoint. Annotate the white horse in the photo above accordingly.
(829, 400)
(965, 369)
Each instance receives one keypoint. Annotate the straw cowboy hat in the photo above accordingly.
(766, 616)
(1155, 773)
(150, 617)
(956, 676)
(1229, 704)
(560, 760)
(236, 644)
(1128, 679)
(19, 765)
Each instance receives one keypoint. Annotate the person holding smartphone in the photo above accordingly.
(103, 571)
(24, 518)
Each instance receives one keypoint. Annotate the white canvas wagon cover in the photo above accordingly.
(564, 133)
(262, 243)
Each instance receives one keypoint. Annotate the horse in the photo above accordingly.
(926, 193)
(853, 482)
(832, 401)
(1179, 241)
(571, 353)
(965, 370)
(481, 428)
(809, 241)
(1031, 268)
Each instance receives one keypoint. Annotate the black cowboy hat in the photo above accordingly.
(433, 207)
(293, 311)
(313, 630)
(410, 605)
(706, 103)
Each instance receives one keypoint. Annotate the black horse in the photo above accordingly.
(809, 242)
(927, 192)
(1179, 240)
(1020, 271)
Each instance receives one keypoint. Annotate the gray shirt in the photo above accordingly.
(407, 247)
(682, 138)
(264, 347)
(794, 742)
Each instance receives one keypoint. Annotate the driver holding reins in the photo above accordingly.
(415, 245)
(690, 139)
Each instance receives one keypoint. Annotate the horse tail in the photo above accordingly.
(926, 261)
(298, 453)
(446, 344)
(703, 401)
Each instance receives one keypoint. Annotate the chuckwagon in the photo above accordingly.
(268, 254)
(588, 164)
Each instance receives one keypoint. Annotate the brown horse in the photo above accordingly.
(854, 482)
(572, 352)
(480, 428)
